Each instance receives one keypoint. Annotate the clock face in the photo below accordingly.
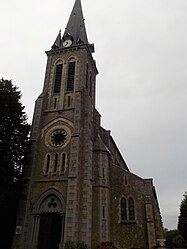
(67, 43)
(58, 137)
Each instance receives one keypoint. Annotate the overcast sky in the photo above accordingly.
(142, 83)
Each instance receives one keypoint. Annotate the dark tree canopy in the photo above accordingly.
(13, 132)
(182, 224)
(13, 138)
(174, 239)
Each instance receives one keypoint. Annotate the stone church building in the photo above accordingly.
(76, 185)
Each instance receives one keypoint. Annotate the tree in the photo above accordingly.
(174, 239)
(14, 131)
(182, 223)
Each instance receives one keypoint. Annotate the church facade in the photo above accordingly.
(77, 187)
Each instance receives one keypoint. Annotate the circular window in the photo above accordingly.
(58, 137)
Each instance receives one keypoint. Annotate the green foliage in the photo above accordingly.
(174, 239)
(13, 138)
(182, 224)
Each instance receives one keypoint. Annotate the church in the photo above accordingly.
(77, 191)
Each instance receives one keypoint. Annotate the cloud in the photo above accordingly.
(141, 89)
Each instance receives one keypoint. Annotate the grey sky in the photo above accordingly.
(141, 89)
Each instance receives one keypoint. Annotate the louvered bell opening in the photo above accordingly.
(58, 78)
(71, 76)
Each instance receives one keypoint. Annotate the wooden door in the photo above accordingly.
(50, 230)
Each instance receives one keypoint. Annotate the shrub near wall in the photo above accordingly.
(106, 245)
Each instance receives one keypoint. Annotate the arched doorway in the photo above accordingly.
(49, 217)
(50, 230)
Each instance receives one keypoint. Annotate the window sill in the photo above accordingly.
(128, 221)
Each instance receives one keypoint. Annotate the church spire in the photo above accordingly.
(75, 28)
(75, 32)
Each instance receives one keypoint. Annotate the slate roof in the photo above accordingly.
(75, 29)
(76, 26)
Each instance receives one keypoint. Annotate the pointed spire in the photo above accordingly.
(99, 145)
(76, 29)
(57, 42)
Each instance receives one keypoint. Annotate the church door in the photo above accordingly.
(50, 231)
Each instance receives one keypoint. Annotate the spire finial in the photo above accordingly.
(57, 43)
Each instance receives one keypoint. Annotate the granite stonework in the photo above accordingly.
(76, 185)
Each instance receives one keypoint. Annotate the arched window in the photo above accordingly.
(131, 209)
(123, 208)
(63, 163)
(47, 164)
(58, 78)
(71, 76)
(56, 163)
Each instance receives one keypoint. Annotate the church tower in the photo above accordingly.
(77, 188)
(57, 203)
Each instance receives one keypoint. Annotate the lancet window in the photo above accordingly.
(131, 209)
(47, 163)
(55, 163)
(123, 207)
(71, 76)
(63, 163)
(58, 78)
(127, 209)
